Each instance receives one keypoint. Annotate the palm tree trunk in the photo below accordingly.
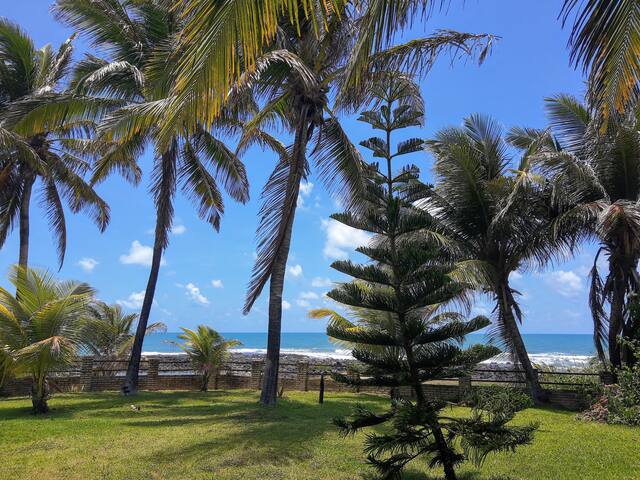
(269, 394)
(130, 386)
(616, 321)
(25, 204)
(506, 308)
(39, 395)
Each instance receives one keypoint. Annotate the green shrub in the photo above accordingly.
(498, 398)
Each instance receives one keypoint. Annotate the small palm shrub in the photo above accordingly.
(499, 398)
(41, 327)
(206, 349)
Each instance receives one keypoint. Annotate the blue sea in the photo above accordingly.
(552, 349)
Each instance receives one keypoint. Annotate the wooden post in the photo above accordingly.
(321, 395)
(607, 378)
(152, 374)
(303, 376)
(86, 373)
(256, 375)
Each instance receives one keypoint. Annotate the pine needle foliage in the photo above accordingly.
(404, 342)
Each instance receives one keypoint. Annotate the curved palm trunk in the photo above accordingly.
(130, 386)
(25, 204)
(269, 394)
(616, 321)
(164, 214)
(506, 308)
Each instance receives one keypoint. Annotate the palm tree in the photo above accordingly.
(139, 70)
(206, 349)
(212, 62)
(40, 326)
(293, 82)
(500, 221)
(109, 330)
(605, 39)
(596, 177)
(31, 78)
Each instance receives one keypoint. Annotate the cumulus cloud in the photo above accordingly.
(295, 270)
(340, 239)
(309, 295)
(303, 303)
(217, 284)
(321, 282)
(515, 275)
(285, 305)
(305, 191)
(87, 264)
(139, 255)
(133, 301)
(567, 283)
(178, 229)
(193, 292)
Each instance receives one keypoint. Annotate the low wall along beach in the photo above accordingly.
(174, 372)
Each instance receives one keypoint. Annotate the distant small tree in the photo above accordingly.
(109, 331)
(403, 340)
(206, 349)
(41, 327)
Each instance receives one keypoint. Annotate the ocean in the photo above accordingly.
(550, 349)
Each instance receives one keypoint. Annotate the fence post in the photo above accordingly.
(303, 376)
(256, 374)
(86, 373)
(152, 374)
(607, 378)
(464, 386)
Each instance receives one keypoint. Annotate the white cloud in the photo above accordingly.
(305, 188)
(133, 301)
(295, 270)
(194, 294)
(303, 303)
(341, 239)
(87, 264)
(139, 255)
(178, 229)
(285, 305)
(515, 275)
(567, 283)
(321, 282)
(309, 295)
(217, 284)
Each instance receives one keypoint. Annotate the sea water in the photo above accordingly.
(565, 350)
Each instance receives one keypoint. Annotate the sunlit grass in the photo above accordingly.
(226, 435)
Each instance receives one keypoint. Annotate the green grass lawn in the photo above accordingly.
(226, 435)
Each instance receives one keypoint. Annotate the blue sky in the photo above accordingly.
(205, 274)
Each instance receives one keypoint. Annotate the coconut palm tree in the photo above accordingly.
(605, 39)
(109, 330)
(212, 62)
(596, 177)
(293, 82)
(206, 349)
(31, 78)
(501, 221)
(138, 70)
(41, 326)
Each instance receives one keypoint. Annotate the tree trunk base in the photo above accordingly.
(128, 390)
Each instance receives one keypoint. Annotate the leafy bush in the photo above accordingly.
(619, 403)
(498, 398)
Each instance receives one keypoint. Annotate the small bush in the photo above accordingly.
(499, 399)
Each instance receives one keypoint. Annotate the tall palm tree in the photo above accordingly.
(293, 81)
(138, 70)
(40, 326)
(500, 221)
(206, 349)
(596, 176)
(212, 62)
(109, 330)
(31, 78)
(605, 40)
